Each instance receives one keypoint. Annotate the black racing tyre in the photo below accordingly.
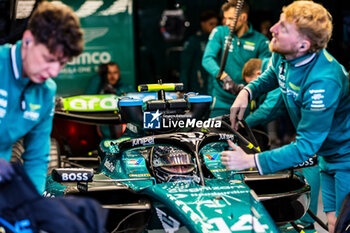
(18, 149)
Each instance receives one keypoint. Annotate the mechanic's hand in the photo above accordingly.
(238, 108)
(6, 171)
(230, 86)
(237, 159)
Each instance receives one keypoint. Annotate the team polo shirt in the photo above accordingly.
(26, 110)
(252, 44)
(315, 90)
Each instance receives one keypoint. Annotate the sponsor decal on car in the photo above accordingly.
(78, 176)
(169, 223)
(223, 136)
(91, 103)
(219, 170)
(246, 222)
(212, 157)
(143, 141)
(135, 162)
(139, 175)
(193, 215)
(109, 165)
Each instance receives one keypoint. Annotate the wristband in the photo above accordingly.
(249, 93)
(257, 164)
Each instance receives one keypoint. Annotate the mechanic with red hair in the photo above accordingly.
(315, 90)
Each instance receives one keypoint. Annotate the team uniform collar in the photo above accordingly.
(302, 60)
(250, 30)
(16, 65)
(16, 60)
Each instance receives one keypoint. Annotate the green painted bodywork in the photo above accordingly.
(224, 204)
(219, 206)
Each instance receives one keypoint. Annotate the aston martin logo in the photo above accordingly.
(92, 33)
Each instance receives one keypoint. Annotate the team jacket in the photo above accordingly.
(315, 90)
(26, 110)
(250, 45)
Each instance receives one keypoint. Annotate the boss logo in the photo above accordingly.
(72, 175)
(75, 177)
(308, 163)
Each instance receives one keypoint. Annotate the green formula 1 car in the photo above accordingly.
(165, 174)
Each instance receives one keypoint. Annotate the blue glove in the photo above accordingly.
(6, 171)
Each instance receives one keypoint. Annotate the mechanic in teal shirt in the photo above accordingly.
(27, 91)
(315, 90)
(192, 73)
(271, 108)
(247, 43)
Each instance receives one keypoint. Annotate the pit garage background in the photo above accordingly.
(146, 37)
